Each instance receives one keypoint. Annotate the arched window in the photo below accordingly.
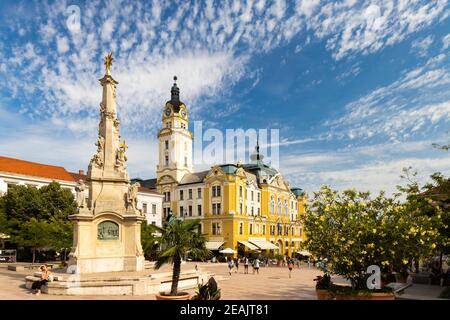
(285, 207)
(279, 206)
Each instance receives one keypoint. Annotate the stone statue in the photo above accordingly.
(81, 200)
(98, 157)
(121, 158)
(132, 195)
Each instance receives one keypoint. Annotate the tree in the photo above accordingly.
(149, 241)
(44, 211)
(353, 231)
(177, 239)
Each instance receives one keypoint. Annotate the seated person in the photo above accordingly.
(45, 277)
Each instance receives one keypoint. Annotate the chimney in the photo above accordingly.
(81, 172)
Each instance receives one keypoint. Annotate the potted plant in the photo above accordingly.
(177, 238)
(208, 291)
(323, 284)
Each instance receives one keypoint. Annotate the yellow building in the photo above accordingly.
(246, 207)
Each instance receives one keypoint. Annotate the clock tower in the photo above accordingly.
(175, 141)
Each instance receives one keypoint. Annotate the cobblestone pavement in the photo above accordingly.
(272, 283)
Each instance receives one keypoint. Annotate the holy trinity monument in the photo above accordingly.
(107, 226)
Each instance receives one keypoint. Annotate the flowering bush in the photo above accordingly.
(353, 231)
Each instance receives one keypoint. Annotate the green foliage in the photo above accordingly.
(149, 241)
(353, 231)
(37, 219)
(208, 291)
(177, 239)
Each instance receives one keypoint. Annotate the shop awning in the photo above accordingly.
(304, 253)
(249, 245)
(263, 244)
(214, 245)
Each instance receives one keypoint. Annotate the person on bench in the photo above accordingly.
(45, 277)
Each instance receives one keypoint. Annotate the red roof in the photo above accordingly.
(34, 169)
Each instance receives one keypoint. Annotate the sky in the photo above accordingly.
(359, 90)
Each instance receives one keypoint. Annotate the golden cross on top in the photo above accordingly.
(124, 145)
(108, 62)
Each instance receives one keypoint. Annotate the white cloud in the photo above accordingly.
(446, 41)
(62, 44)
(421, 46)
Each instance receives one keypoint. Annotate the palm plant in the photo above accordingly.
(179, 238)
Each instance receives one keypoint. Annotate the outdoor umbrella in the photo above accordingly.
(227, 251)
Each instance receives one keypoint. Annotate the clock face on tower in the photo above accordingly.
(168, 111)
(183, 113)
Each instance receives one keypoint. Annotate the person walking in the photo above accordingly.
(236, 264)
(256, 266)
(290, 266)
(309, 263)
(246, 265)
(230, 265)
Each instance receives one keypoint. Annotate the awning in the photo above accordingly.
(214, 245)
(304, 253)
(249, 245)
(264, 245)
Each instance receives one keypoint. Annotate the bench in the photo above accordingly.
(422, 278)
(16, 268)
(398, 287)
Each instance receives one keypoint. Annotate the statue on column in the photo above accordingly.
(132, 195)
(81, 199)
(121, 158)
(98, 157)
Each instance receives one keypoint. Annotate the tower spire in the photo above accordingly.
(175, 91)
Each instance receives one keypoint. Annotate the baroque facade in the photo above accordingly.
(246, 207)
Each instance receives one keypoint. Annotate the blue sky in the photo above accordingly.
(358, 89)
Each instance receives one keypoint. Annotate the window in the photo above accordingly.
(185, 161)
(190, 211)
(168, 125)
(216, 191)
(216, 208)
(241, 228)
(144, 208)
(166, 196)
(240, 191)
(167, 144)
(181, 195)
(181, 211)
(167, 160)
(285, 207)
(272, 205)
(286, 230)
(199, 209)
(154, 208)
(259, 197)
(279, 206)
(250, 228)
(259, 212)
(216, 228)
(293, 231)
(253, 212)
(153, 222)
(279, 231)
(252, 195)
(286, 243)
(190, 194)
(240, 208)
(199, 229)
(199, 193)
(264, 229)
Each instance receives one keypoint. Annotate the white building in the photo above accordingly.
(21, 172)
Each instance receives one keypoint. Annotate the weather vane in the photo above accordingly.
(108, 62)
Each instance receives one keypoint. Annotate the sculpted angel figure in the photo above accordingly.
(132, 195)
(81, 200)
(121, 158)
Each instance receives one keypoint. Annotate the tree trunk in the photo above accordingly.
(34, 254)
(440, 262)
(175, 276)
(416, 265)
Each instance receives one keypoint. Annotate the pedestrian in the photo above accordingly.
(290, 266)
(230, 265)
(45, 277)
(246, 265)
(236, 263)
(267, 262)
(309, 263)
(256, 266)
